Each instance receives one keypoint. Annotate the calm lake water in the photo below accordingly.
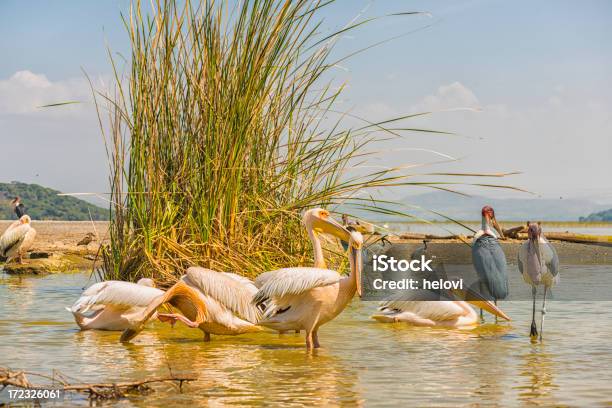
(361, 363)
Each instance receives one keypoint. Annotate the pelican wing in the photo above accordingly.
(490, 264)
(437, 311)
(13, 237)
(119, 294)
(29, 239)
(243, 280)
(232, 291)
(294, 281)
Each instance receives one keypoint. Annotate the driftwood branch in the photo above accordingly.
(19, 379)
(520, 232)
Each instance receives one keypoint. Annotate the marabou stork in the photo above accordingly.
(488, 257)
(539, 264)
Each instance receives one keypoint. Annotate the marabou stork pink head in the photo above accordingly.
(533, 231)
(488, 213)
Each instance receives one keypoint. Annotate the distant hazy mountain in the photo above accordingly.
(599, 216)
(44, 204)
(508, 209)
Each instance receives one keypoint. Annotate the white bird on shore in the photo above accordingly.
(113, 305)
(215, 302)
(17, 239)
(305, 298)
(539, 264)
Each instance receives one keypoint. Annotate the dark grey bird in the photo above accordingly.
(18, 207)
(539, 264)
(489, 259)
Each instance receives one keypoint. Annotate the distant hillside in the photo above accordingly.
(44, 204)
(599, 216)
(508, 209)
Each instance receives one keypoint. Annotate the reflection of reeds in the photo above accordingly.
(217, 139)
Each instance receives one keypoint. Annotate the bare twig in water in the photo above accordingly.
(19, 379)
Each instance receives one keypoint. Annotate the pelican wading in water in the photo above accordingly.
(215, 302)
(435, 308)
(539, 264)
(223, 303)
(305, 298)
(113, 305)
(17, 239)
(488, 257)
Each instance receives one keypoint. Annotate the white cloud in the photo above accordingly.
(452, 96)
(24, 92)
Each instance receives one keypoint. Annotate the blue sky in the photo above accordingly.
(537, 72)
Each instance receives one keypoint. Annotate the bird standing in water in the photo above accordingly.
(113, 305)
(489, 259)
(539, 264)
(305, 298)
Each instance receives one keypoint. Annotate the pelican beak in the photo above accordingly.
(328, 225)
(356, 267)
(475, 298)
(497, 227)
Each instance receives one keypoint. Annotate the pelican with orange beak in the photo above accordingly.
(435, 308)
(305, 298)
(449, 313)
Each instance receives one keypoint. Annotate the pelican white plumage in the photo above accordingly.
(17, 239)
(223, 304)
(304, 298)
(113, 305)
(441, 313)
(435, 308)
(539, 264)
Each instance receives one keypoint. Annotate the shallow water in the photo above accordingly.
(361, 363)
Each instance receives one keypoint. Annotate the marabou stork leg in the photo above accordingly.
(482, 320)
(494, 301)
(534, 329)
(543, 313)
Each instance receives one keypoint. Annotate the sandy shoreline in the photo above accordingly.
(59, 239)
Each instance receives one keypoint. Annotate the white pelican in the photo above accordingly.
(215, 302)
(444, 310)
(539, 264)
(17, 239)
(440, 313)
(304, 298)
(113, 305)
(221, 302)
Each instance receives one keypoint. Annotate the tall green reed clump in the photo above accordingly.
(216, 141)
